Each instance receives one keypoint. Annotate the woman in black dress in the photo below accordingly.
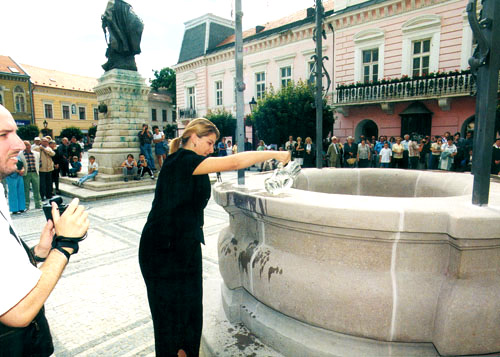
(169, 251)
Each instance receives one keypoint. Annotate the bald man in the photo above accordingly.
(24, 286)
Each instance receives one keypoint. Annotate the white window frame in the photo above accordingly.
(22, 94)
(45, 103)
(84, 112)
(287, 78)
(365, 40)
(259, 67)
(190, 96)
(421, 28)
(62, 111)
(260, 83)
(218, 93)
(420, 55)
(94, 113)
(467, 42)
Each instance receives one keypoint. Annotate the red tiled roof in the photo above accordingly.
(55, 79)
(6, 62)
(299, 15)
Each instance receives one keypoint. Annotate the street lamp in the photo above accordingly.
(45, 124)
(252, 104)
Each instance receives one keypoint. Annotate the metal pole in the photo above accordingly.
(487, 59)
(240, 87)
(319, 84)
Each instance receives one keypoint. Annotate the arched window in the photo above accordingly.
(20, 99)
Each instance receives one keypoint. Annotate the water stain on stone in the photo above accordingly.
(273, 270)
(246, 255)
(234, 241)
(261, 259)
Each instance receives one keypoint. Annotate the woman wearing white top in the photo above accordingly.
(229, 148)
(159, 141)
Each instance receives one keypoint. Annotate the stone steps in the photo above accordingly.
(85, 193)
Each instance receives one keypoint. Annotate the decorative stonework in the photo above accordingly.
(126, 96)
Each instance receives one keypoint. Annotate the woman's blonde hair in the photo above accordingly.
(200, 126)
(308, 139)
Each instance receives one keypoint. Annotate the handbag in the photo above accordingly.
(351, 161)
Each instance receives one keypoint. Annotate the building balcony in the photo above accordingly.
(187, 113)
(440, 86)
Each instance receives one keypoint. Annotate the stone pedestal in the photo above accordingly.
(126, 96)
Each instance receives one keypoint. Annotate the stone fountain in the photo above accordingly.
(363, 262)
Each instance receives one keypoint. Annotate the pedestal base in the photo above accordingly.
(109, 160)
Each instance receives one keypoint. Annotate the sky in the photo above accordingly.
(66, 35)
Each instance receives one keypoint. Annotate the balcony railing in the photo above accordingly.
(434, 85)
(187, 113)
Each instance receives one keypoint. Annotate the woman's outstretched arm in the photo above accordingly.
(239, 161)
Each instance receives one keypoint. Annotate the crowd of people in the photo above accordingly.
(438, 152)
(39, 167)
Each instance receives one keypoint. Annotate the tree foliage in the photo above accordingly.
(224, 121)
(289, 111)
(70, 132)
(92, 131)
(28, 132)
(165, 78)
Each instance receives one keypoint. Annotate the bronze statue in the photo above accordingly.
(125, 30)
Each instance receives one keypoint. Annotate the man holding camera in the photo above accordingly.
(145, 138)
(24, 331)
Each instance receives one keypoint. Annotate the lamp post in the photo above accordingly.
(485, 65)
(252, 104)
(240, 85)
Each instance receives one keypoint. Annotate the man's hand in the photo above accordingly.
(43, 248)
(73, 223)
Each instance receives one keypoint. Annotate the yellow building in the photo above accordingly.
(61, 100)
(15, 91)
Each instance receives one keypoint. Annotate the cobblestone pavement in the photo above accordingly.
(99, 307)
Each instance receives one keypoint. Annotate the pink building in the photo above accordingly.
(398, 66)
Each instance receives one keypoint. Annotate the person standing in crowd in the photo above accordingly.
(24, 330)
(397, 154)
(46, 168)
(425, 152)
(413, 153)
(17, 202)
(448, 152)
(248, 145)
(298, 151)
(333, 153)
(145, 139)
(36, 143)
(385, 156)
(309, 153)
(221, 146)
(378, 146)
(363, 154)
(435, 153)
(235, 148)
(169, 251)
(406, 152)
(290, 144)
(31, 164)
(350, 153)
(129, 168)
(229, 148)
(57, 159)
(74, 149)
(495, 158)
(93, 170)
(159, 141)
(63, 151)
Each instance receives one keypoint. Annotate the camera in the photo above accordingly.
(47, 207)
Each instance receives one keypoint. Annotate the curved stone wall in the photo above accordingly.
(385, 255)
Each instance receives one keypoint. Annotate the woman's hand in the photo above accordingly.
(283, 156)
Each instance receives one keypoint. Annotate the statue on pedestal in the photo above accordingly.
(122, 31)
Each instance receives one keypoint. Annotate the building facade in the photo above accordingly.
(62, 100)
(161, 110)
(398, 66)
(15, 91)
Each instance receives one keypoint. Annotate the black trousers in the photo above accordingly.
(55, 178)
(64, 167)
(46, 185)
(173, 279)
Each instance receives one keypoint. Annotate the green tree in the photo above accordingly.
(289, 111)
(165, 79)
(28, 132)
(92, 131)
(70, 132)
(224, 121)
